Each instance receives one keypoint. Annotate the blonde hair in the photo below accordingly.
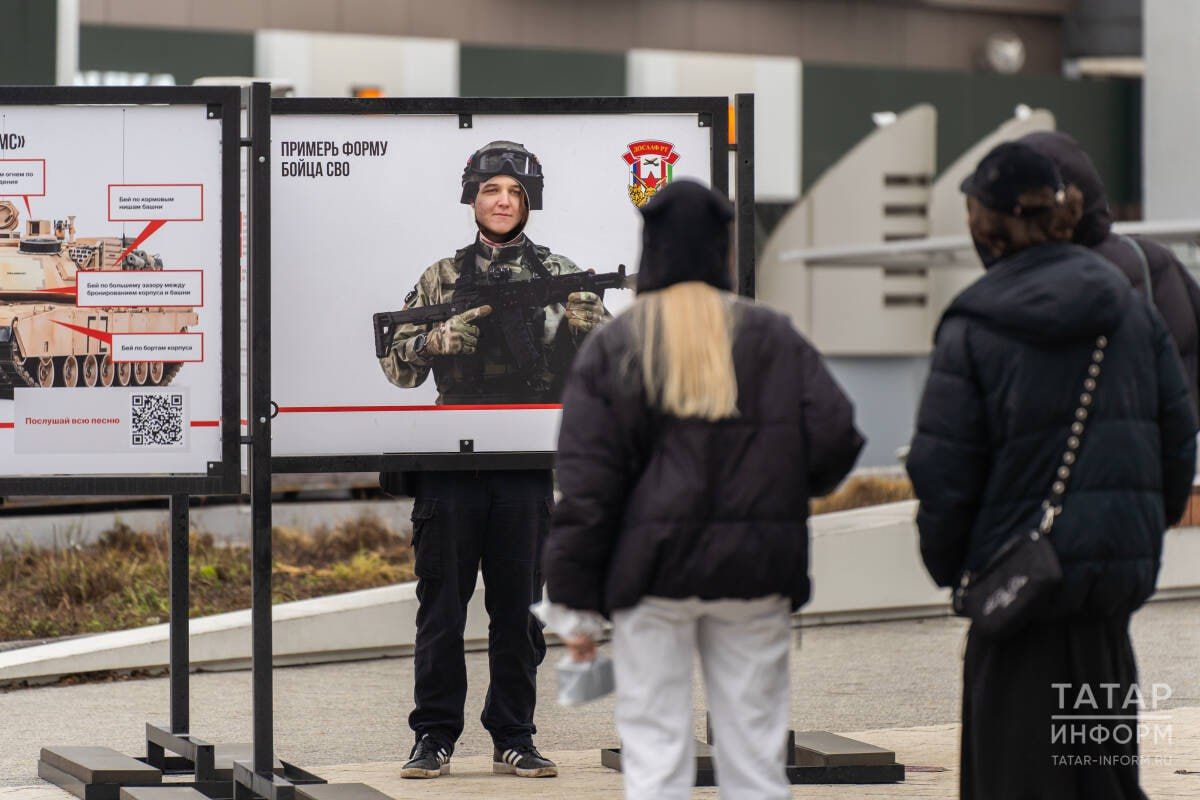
(686, 351)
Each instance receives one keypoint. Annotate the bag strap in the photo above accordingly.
(1052, 506)
(1141, 256)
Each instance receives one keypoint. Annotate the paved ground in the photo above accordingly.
(897, 681)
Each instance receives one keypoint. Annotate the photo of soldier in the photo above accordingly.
(471, 359)
(495, 520)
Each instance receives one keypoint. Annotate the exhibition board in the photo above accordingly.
(367, 198)
(118, 290)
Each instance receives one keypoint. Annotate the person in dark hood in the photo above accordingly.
(1175, 293)
(999, 432)
(696, 426)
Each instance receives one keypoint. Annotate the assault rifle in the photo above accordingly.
(509, 300)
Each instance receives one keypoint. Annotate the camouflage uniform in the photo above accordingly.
(488, 375)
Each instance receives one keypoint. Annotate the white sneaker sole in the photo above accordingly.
(416, 772)
(500, 768)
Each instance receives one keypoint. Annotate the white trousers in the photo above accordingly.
(743, 647)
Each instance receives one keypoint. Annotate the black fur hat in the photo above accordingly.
(685, 237)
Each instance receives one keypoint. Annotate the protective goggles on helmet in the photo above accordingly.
(494, 161)
(504, 158)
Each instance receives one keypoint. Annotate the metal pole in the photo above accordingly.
(180, 525)
(259, 388)
(744, 181)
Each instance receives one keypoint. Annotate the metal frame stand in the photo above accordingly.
(98, 773)
(262, 775)
(812, 757)
(743, 177)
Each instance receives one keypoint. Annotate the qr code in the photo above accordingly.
(157, 420)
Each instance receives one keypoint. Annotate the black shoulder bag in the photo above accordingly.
(1007, 593)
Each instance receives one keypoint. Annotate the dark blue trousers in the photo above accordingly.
(464, 521)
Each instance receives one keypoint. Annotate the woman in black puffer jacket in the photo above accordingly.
(696, 426)
(1009, 366)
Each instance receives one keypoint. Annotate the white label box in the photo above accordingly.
(24, 177)
(157, 288)
(149, 202)
(128, 347)
(108, 420)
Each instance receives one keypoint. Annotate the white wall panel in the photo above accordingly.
(775, 83)
(330, 64)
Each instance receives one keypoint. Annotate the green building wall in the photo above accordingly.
(185, 54)
(30, 31)
(1104, 115)
(525, 72)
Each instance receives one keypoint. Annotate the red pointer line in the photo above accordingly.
(103, 336)
(28, 210)
(149, 231)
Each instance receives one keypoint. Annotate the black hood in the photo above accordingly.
(1047, 294)
(1078, 170)
(685, 237)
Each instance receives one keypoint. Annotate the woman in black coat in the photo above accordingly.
(1175, 292)
(696, 426)
(1011, 359)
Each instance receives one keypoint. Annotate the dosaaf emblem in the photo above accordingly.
(651, 167)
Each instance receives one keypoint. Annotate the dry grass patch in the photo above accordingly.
(865, 490)
(120, 581)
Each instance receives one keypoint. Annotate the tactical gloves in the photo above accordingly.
(585, 311)
(455, 336)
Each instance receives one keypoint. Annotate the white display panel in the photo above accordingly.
(133, 178)
(352, 233)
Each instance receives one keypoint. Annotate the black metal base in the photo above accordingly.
(89, 790)
(94, 773)
(818, 757)
(209, 762)
(99, 773)
(282, 784)
(69, 783)
(164, 792)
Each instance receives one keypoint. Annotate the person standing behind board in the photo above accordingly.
(1175, 293)
(696, 426)
(1051, 337)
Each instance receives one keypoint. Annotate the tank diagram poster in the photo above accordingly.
(368, 219)
(110, 287)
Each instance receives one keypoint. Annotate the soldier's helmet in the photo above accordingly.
(503, 158)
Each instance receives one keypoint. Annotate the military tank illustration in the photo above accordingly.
(42, 328)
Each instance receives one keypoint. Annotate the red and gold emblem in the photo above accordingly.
(651, 167)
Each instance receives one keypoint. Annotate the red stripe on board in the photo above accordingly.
(196, 423)
(358, 409)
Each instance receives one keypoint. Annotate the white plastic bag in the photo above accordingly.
(582, 682)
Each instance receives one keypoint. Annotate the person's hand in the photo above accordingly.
(585, 310)
(581, 647)
(456, 335)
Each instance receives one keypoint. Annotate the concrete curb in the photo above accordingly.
(885, 580)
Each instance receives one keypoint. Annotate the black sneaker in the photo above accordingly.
(429, 759)
(524, 761)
